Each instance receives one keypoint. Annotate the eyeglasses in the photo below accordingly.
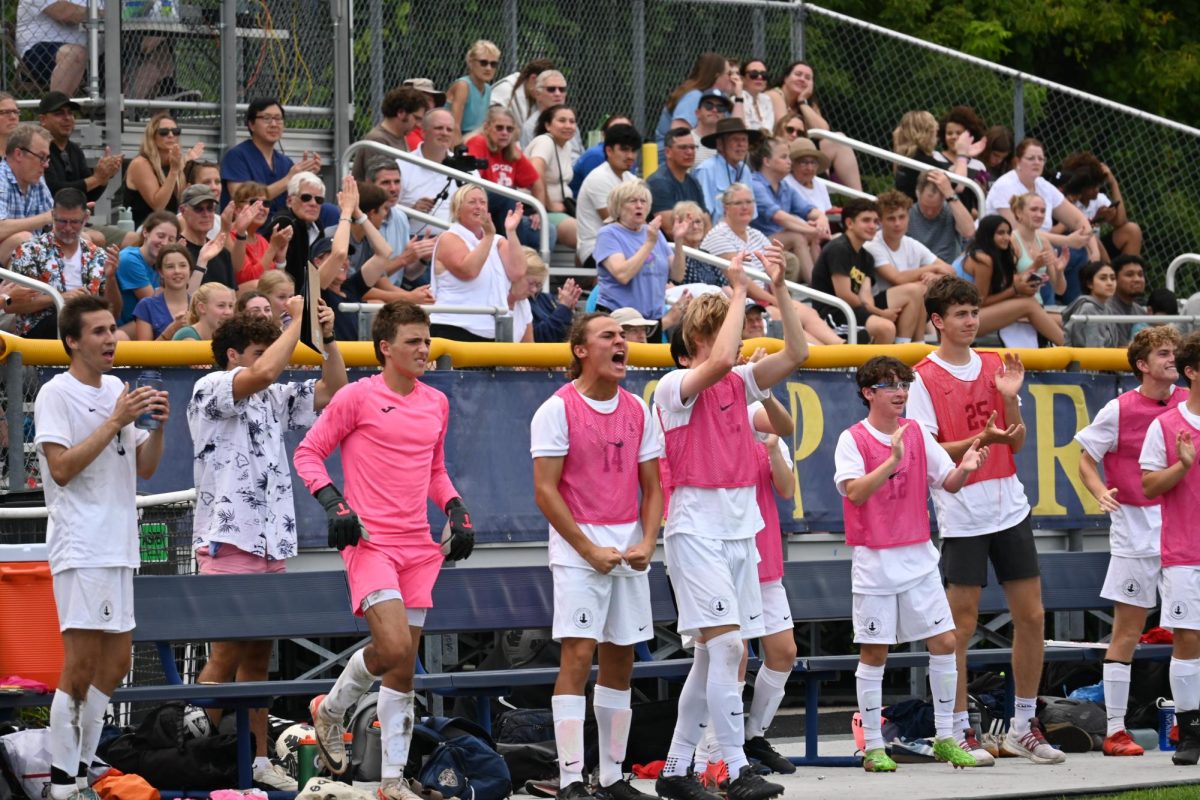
(312, 198)
(44, 158)
(505, 128)
(483, 62)
(793, 130)
(555, 89)
(897, 386)
(168, 132)
(204, 208)
(757, 74)
(10, 112)
(68, 223)
(740, 203)
(712, 106)
(270, 119)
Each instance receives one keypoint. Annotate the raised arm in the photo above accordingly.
(723, 356)
(777, 366)
(274, 360)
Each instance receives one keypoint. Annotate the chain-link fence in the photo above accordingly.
(18, 389)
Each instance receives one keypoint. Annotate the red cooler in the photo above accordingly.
(30, 644)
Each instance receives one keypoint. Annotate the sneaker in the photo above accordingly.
(329, 735)
(621, 790)
(910, 751)
(1187, 753)
(761, 750)
(394, 788)
(1122, 744)
(1032, 745)
(276, 778)
(749, 785)
(969, 744)
(715, 778)
(576, 790)
(877, 760)
(681, 787)
(949, 751)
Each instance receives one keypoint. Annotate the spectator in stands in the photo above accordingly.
(714, 107)
(783, 214)
(403, 110)
(1131, 285)
(938, 220)
(305, 199)
(278, 286)
(433, 99)
(472, 266)
(694, 270)
(621, 146)
(965, 139)
(409, 269)
(253, 303)
(508, 166)
(516, 92)
(162, 314)
(521, 294)
(916, 138)
(594, 156)
(795, 95)
(423, 189)
(257, 159)
(366, 241)
(710, 71)
(550, 90)
(196, 210)
(68, 165)
(25, 200)
(899, 258)
(64, 259)
(790, 128)
(807, 162)
(198, 170)
(211, 304)
(135, 278)
(759, 111)
(732, 141)
(550, 152)
(341, 285)
(10, 118)
(52, 42)
(997, 156)
(1082, 178)
(991, 262)
(672, 183)
(155, 180)
(1162, 301)
(1099, 284)
(847, 269)
(552, 314)
(468, 97)
(1033, 252)
(260, 254)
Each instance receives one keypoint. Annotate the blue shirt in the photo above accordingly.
(133, 273)
(665, 191)
(245, 162)
(587, 161)
(714, 177)
(767, 201)
(153, 309)
(476, 106)
(15, 204)
(646, 290)
(684, 109)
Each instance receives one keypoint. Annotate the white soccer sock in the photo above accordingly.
(902, 340)
(93, 724)
(691, 721)
(768, 694)
(66, 734)
(962, 721)
(724, 702)
(350, 685)
(707, 750)
(396, 724)
(1116, 694)
(869, 683)
(1185, 683)
(260, 762)
(568, 712)
(1023, 710)
(943, 682)
(613, 714)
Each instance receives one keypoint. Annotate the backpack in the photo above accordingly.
(164, 751)
(366, 757)
(457, 758)
(26, 755)
(1063, 718)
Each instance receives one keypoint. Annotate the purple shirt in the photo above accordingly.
(646, 290)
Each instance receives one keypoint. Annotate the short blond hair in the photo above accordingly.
(460, 196)
(535, 267)
(623, 193)
(205, 294)
(703, 319)
(482, 47)
(272, 279)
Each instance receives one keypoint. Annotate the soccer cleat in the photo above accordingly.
(1122, 744)
(621, 790)
(275, 778)
(949, 751)
(1032, 745)
(329, 735)
(681, 787)
(877, 760)
(759, 749)
(969, 744)
(396, 789)
(749, 785)
(1187, 753)
(715, 777)
(576, 790)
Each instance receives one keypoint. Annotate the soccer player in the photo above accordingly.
(959, 395)
(91, 455)
(714, 519)
(1115, 437)
(391, 429)
(594, 447)
(882, 466)
(237, 416)
(1166, 460)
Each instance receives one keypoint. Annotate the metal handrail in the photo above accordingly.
(502, 315)
(37, 286)
(1126, 319)
(833, 187)
(1176, 263)
(143, 501)
(896, 158)
(795, 288)
(527, 199)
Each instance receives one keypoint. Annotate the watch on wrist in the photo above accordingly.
(241, 237)
(739, 99)
(328, 339)
(952, 198)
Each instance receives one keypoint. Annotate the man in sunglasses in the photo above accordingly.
(196, 211)
(68, 165)
(549, 89)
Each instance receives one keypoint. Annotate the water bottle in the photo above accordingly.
(306, 760)
(348, 743)
(1166, 720)
(152, 378)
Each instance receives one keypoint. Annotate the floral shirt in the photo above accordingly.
(41, 258)
(241, 468)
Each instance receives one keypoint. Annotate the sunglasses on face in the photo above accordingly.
(504, 128)
(312, 198)
(168, 132)
(555, 89)
(757, 75)
(710, 106)
(205, 208)
(483, 62)
(793, 130)
(895, 386)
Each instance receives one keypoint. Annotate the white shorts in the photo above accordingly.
(715, 583)
(607, 608)
(1133, 581)
(911, 616)
(777, 612)
(416, 616)
(1180, 598)
(95, 599)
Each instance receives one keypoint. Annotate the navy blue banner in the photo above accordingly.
(487, 449)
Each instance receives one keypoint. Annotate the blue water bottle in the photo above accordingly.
(152, 378)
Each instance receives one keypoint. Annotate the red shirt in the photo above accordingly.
(519, 174)
(252, 269)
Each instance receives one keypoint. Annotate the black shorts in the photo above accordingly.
(1011, 551)
(834, 316)
(881, 299)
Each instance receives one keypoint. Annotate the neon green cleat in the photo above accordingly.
(878, 760)
(948, 750)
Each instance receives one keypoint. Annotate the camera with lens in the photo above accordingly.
(463, 161)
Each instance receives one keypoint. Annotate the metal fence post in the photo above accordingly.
(376, 11)
(797, 15)
(343, 100)
(513, 29)
(112, 79)
(758, 38)
(1018, 109)
(504, 328)
(229, 82)
(15, 419)
(637, 16)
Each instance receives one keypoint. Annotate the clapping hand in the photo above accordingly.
(1010, 376)
(897, 454)
(569, 294)
(1108, 500)
(996, 435)
(974, 458)
(652, 229)
(512, 219)
(1185, 448)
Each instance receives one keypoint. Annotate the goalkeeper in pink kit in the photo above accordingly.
(391, 429)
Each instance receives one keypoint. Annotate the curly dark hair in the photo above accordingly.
(950, 290)
(1187, 354)
(239, 332)
(879, 370)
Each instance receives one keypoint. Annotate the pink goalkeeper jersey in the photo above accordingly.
(392, 454)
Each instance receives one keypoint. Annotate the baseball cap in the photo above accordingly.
(53, 101)
(196, 194)
(754, 304)
(324, 245)
(631, 316)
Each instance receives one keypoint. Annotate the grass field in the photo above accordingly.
(1167, 793)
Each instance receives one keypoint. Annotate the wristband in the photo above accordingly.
(241, 237)
(362, 218)
(328, 339)
(201, 268)
(739, 99)
(345, 219)
(952, 198)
